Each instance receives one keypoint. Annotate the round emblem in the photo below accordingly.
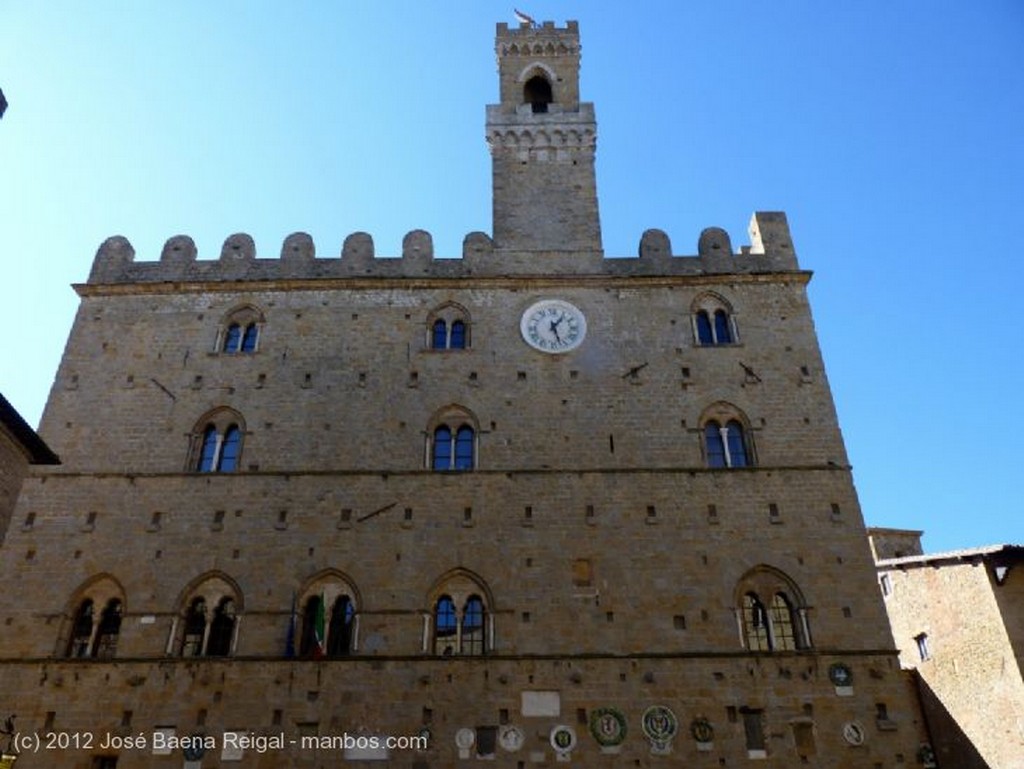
(853, 733)
(511, 738)
(660, 725)
(608, 726)
(553, 326)
(702, 730)
(840, 674)
(563, 738)
(464, 738)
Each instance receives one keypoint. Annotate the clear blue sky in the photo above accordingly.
(890, 132)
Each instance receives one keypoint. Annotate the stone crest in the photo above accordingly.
(660, 725)
(608, 726)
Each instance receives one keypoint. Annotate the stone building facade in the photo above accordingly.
(958, 620)
(533, 505)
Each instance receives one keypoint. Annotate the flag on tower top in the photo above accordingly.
(523, 18)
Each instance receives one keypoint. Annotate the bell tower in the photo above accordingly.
(542, 141)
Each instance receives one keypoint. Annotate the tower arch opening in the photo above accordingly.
(537, 93)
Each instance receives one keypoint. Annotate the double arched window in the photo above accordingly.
(448, 327)
(725, 444)
(217, 442)
(92, 638)
(771, 612)
(209, 619)
(95, 620)
(328, 618)
(453, 449)
(452, 440)
(713, 322)
(460, 623)
(725, 437)
(240, 330)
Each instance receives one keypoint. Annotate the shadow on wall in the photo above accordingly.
(953, 748)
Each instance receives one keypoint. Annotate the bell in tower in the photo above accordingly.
(542, 141)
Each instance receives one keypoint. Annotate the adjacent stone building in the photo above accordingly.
(529, 506)
(20, 447)
(958, 620)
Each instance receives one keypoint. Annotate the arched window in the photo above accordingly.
(339, 633)
(314, 629)
(108, 631)
(783, 632)
(713, 323)
(217, 442)
(755, 623)
(537, 93)
(464, 440)
(228, 460)
(210, 448)
(442, 448)
(723, 334)
(81, 630)
(195, 629)
(439, 340)
(241, 330)
(779, 625)
(222, 629)
(448, 327)
(250, 337)
(232, 338)
(453, 441)
(473, 627)
(714, 445)
(735, 444)
(460, 622)
(446, 626)
(726, 442)
(705, 336)
(457, 339)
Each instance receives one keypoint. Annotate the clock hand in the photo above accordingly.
(554, 329)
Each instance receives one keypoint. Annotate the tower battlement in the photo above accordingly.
(771, 251)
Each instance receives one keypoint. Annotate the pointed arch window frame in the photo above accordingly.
(217, 442)
(771, 613)
(714, 322)
(333, 591)
(211, 609)
(460, 621)
(241, 331)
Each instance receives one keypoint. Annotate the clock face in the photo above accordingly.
(553, 326)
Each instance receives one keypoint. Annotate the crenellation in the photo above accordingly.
(298, 249)
(655, 245)
(358, 251)
(237, 248)
(179, 249)
(714, 241)
(418, 247)
(115, 260)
